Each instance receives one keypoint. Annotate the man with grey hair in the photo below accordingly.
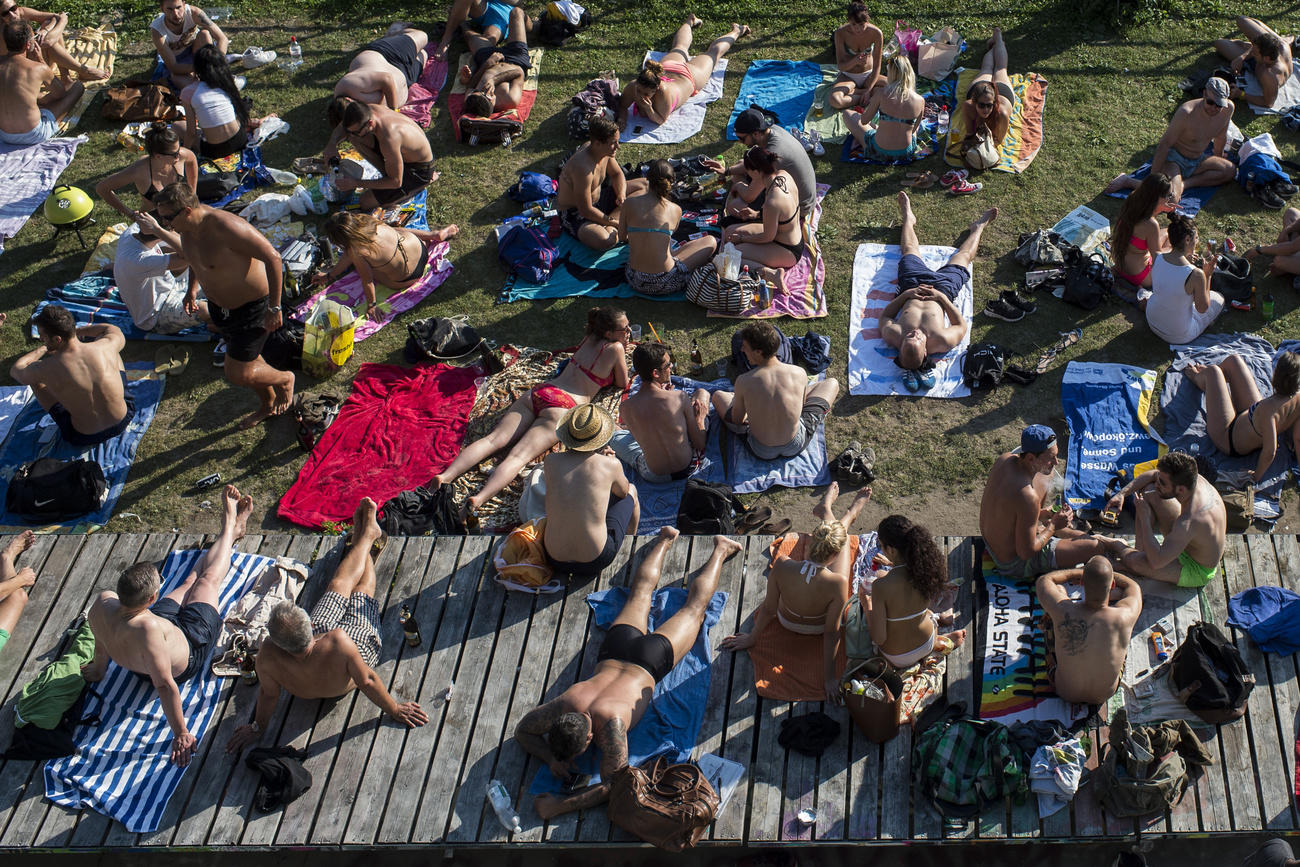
(167, 640)
(335, 649)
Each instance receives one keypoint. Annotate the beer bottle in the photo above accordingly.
(248, 667)
(410, 629)
(697, 357)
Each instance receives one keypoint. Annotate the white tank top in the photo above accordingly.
(212, 107)
(1170, 308)
(188, 29)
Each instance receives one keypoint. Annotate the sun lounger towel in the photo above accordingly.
(518, 114)
(1174, 609)
(1183, 407)
(94, 47)
(399, 427)
(805, 283)
(122, 767)
(671, 723)
(348, 292)
(421, 96)
(34, 435)
(1288, 94)
(1107, 408)
(1194, 198)
(872, 367)
(96, 300)
(783, 87)
(30, 172)
(683, 123)
(1014, 683)
(1025, 137)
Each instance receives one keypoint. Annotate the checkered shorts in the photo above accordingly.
(357, 616)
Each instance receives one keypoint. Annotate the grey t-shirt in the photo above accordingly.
(794, 159)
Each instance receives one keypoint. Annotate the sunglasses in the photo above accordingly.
(9, 10)
(165, 219)
(984, 104)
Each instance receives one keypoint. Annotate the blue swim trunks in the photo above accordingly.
(46, 128)
(949, 279)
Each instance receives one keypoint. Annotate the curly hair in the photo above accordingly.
(651, 75)
(927, 568)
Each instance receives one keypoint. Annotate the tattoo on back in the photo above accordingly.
(1073, 634)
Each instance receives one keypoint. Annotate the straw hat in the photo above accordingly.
(585, 428)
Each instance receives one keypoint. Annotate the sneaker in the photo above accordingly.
(255, 57)
(965, 188)
(818, 149)
(219, 354)
(911, 381)
(1001, 309)
(1269, 199)
(240, 81)
(926, 379)
(954, 176)
(1024, 304)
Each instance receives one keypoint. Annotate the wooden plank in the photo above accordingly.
(767, 771)
(864, 787)
(964, 661)
(1283, 680)
(1242, 794)
(799, 788)
(1086, 811)
(50, 572)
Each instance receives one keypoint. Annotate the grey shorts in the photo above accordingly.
(1043, 561)
(810, 418)
(1177, 164)
(357, 616)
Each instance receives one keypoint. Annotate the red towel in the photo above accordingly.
(424, 93)
(399, 427)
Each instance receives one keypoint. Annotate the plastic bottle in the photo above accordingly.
(941, 127)
(1267, 307)
(1056, 491)
(1158, 645)
(499, 798)
(295, 53)
(764, 293)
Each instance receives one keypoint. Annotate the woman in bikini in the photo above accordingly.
(528, 426)
(989, 100)
(663, 85)
(899, 107)
(807, 597)
(165, 162)
(1137, 235)
(646, 224)
(391, 255)
(1242, 422)
(898, 610)
(859, 46)
(763, 218)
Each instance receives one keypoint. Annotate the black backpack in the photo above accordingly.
(53, 490)
(983, 366)
(441, 339)
(1208, 657)
(707, 508)
(1232, 278)
(1087, 279)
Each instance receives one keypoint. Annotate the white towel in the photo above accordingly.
(685, 122)
(1288, 94)
(871, 361)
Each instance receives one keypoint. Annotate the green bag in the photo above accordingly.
(1146, 769)
(964, 765)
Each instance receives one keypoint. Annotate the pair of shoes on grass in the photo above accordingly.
(958, 183)
(1009, 307)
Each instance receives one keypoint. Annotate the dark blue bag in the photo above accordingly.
(1261, 168)
(527, 253)
(531, 187)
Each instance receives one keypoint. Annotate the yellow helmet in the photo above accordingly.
(66, 205)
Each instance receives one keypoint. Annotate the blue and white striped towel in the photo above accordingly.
(122, 767)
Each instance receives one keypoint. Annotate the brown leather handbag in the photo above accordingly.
(668, 805)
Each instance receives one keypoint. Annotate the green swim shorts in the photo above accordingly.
(1193, 574)
(4, 638)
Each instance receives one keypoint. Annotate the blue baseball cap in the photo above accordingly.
(1036, 438)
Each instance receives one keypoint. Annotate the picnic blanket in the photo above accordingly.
(347, 290)
(872, 362)
(30, 172)
(1108, 409)
(789, 666)
(805, 283)
(93, 46)
(122, 767)
(12, 400)
(456, 99)
(421, 96)
(1144, 687)
(1014, 685)
(747, 473)
(1024, 138)
(783, 87)
(399, 427)
(683, 123)
(248, 163)
(579, 270)
(671, 723)
(1182, 405)
(821, 117)
(96, 300)
(1288, 95)
(1194, 198)
(33, 435)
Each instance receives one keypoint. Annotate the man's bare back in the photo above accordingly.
(134, 641)
(578, 489)
(21, 80)
(83, 375)
(373, 80)
(773, 396)
(1009, 497)
(219, 249)
(581, 171)
(322, 672)
(1090, 640)
(662, 421)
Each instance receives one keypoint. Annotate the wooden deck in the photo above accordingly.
(378, 785)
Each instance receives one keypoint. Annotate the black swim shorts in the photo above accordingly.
(72, 436)
(617, 516)
(200, 623)
(625, 643)
(415, 177)
(399, 51)
(511, 52)
(572, 220)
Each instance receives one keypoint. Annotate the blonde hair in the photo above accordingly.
(352, 231)
(826, 541)
(900, 77)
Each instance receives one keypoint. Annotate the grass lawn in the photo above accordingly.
(1110, 94)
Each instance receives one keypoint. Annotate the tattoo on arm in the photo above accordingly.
(613, 747)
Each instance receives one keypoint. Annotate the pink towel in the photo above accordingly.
(424, 93)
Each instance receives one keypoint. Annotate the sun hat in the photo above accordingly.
(585, 428)
(1036, 438)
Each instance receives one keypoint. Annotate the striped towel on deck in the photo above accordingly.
(122, 767)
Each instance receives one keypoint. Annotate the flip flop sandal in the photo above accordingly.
(754, 518)
(923, 181)
(170, 360)
(1068, 339)
(776, 528)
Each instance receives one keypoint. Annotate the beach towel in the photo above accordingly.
(783, 87)
(683, 123)
(421, 96)
(1144, 687)
(122, 767)
(248, 163)
(579, 270)
(1107, 408)
(399, 427)
(1014, 685)
(347, 291)
(1024, 138)
(821, 117)
(96, 300)
(1183, 407)
(1288, 94)
(518, 114)
(1270, 616)
(1194, 198)
(12, 400)
(33, 435)
(805, 283)
(30, 172)
(872, 363)
(671, 723)
(95, 47)
(938, 98)
(747, 473)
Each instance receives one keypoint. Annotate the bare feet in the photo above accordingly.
(775, 276)
(242, 511)
(668, 534)
(447, 232)
(1195, 374)
(92, 73)
(856, 506)
(283, 396)
(256, 417)
(985, 218)
(956, 637)
(693, 20)
(727, 545)
(1121, 182)
(905, 206)
(18, 545)
(25, 577)
(825, 509)
(742, 30)
(365, 524)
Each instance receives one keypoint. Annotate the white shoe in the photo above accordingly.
(801, 137)
(815, 137)
(240, 81)
(232, 59)
(255, 57)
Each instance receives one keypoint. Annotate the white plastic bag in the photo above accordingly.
(267, 208)
(727, 262)
(302, 203)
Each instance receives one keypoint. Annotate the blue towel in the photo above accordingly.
(783, 87)
(1270, 615)
(748, 473)
(1105, 408)
(28, 441)
(122, 767)
(96, 300)
(250, 168)
(1194, 198)
(672, 721)
(580, 270)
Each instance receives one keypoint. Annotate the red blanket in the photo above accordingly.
(424, 93)
(399, 427)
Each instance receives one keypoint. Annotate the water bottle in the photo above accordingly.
(764, 294)
(499, 798)
(942, 126)
(295, 53)
(1267, 307)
